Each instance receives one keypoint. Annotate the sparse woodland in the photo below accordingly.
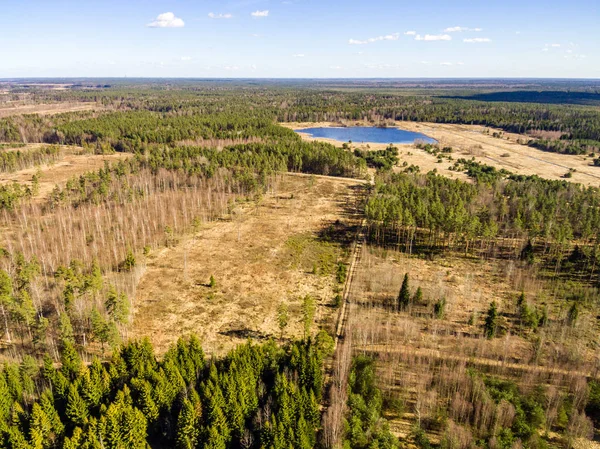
(472, 312)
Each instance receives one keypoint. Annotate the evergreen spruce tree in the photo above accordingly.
(5, 400)
(58, 428)
(70, 360)
(404, 295)
(100, 328)
(491, 321)
(187, 427)
(94, 282)
(214, 439)
(40, 428)
(77, 410)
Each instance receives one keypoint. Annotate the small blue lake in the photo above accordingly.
(359, 134)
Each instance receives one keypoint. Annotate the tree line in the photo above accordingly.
(256, 396)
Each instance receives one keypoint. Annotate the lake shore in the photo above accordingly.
(358, 133)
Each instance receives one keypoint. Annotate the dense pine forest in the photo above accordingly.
(162, 161)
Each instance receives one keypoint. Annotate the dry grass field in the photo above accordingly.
(8, 109)
(263, 254)
(71, 163)
(477, 141)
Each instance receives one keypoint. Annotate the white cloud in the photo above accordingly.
(425, 62)
(410, 33)
(335, 67)
(382, 66)
(477, 40)
(433, 37)
(460, 63)
(167, 20)
(231, 67)
(212, 15)
(388, 37)
(298, 55)
(186, 58)
(460, 29)
(264, 13)
(446, 63)
(550, 46)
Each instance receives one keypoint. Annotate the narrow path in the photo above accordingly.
(412, 351)
(354, 262)
(337, 367)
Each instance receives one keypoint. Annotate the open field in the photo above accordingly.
(264, 254)
(70, 164)
(46, 109)
(477, 141)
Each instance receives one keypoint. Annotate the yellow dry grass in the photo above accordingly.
(46, 109)
(259, 257)
(70, 164)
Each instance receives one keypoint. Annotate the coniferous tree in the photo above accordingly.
(491, 321)
(187, 426)
(117, 306)
(77, 409)
(404, 296)
(65, 329)
(70, 360)
(418, 296)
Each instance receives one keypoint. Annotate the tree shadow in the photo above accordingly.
(245, 333)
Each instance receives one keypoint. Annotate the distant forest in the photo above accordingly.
(528, 96)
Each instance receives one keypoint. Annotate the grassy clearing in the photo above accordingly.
(262, 255)
(46, 109)
(70, 163)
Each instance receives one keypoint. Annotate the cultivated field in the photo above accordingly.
(264, 254)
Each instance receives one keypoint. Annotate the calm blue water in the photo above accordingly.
(368, 134)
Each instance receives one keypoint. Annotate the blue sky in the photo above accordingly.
(300, 38)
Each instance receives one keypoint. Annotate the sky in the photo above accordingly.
(300, 38)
